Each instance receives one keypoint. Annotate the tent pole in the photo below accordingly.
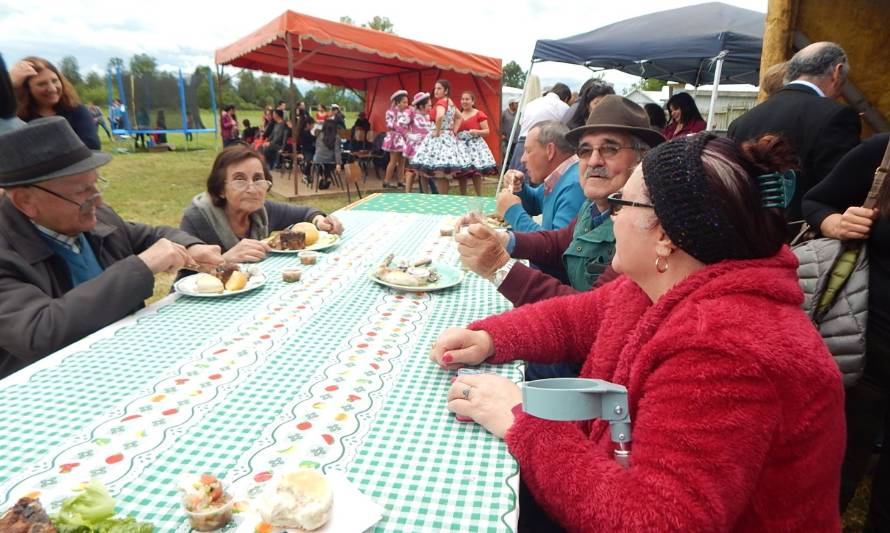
(293, 108)
(713, 103)
(504, 163)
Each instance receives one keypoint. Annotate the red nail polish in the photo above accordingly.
(447, 358)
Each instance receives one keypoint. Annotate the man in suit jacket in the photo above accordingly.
(805, 112)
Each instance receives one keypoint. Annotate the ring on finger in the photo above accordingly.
(466, 393)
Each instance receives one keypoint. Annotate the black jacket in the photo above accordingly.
(39, 310)
(820, 129)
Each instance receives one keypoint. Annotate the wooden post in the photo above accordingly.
(293, 109)
(778, 32)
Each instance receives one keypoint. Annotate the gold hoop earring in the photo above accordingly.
(661, 264)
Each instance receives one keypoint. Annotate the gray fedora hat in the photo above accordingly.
(45, 149)
(617, 113)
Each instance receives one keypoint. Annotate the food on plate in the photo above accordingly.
(26, 516)
(287, 240)
(206, 503)
(423, 261)
(309, 230)
(400, 272)
(308, 257)
(291, 275)
(92, 511)
(208, 284)
(496, 221)
(225, 271)
(300, 499)
(398, 277)
(237, 281)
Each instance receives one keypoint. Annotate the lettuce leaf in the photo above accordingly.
(88, 508)
(92, 511)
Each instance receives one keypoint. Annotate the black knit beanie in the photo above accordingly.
(691, 213)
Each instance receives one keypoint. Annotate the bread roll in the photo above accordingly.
(309, 229)
(300, 500)
(207, 284)
(237, 281)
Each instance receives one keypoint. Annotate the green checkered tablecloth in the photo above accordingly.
(429, 204)
(330, 372)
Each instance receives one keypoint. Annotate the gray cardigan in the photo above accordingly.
(279, 216)
(40, 312)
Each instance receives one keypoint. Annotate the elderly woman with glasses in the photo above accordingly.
(735, 404)
(233, 212)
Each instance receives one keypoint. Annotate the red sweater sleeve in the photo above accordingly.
(683, 475)
(574, 321)
(526, 285)
(544, 248)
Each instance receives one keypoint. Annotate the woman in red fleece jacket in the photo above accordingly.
(736, 404)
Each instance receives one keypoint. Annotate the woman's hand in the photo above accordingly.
(328, 223)
(247, 251)
(854, 223)
(20, 72)
(486, 398)
(458, 347)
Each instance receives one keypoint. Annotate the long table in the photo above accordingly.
(330, 372)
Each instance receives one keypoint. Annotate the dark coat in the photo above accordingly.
(821, 130)
(40, 312)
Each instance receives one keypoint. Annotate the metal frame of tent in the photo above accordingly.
(129, 130)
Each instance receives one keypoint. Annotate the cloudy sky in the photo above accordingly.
(185, 33)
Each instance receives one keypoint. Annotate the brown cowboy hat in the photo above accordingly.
(617, 113)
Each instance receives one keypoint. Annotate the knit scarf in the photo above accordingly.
(217, 219)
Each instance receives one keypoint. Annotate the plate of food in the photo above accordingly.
(299, 237)
(417, 276)
(307, 500)
(226, 280)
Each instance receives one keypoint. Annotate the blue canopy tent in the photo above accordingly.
(705, 43)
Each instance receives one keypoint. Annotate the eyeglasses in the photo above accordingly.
(607, 151)
(87, 205)
(616, 203)
(242, 185)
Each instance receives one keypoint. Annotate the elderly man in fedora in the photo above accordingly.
(609, 146)
(69, 265)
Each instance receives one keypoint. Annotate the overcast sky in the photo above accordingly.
(184, 34)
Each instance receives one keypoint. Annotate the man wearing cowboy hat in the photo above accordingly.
(609, 146)
(69, 265)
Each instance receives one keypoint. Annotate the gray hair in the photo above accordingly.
(640, 146)
(817, 61)
(554, 131)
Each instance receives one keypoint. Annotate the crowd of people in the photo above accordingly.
(661, 264)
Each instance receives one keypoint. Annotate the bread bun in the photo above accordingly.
(309, 229)
(207, 284)
(300, 500)
(237, 281)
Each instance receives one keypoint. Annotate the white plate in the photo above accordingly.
(325, 241)
(448, 277)
(351, 512)
(186, 286)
